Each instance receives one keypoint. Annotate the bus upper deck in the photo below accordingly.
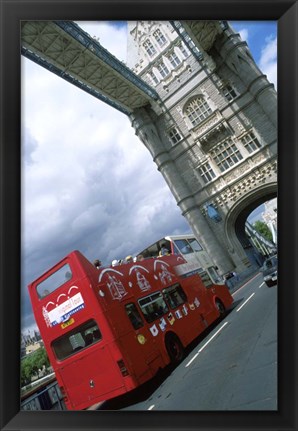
(196, 258)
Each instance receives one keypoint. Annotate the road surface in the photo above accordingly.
(231, 367)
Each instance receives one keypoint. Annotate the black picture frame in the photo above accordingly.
(12, 12)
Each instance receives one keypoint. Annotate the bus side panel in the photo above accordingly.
(188, 327)
(190, 319)
(223, 293)
(140, 355)
(194, 286)
(141, 352)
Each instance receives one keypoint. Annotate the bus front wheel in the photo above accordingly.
(174, 348)
(221, 308)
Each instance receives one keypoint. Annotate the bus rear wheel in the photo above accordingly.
(221, 308)
(174, 348)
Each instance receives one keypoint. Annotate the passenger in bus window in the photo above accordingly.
(97, 263)
(128, 259)
(89, 338)
(158, 310)
(172, 300)
(135, 320)
(140, 257)
(96, 334)
(164, 251)
(174, 296)
(134, 316)
(175, 300)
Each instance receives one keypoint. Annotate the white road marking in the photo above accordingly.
(245, 302)
(197, 354)
(262, 284)
(151, 407)
(203, 347)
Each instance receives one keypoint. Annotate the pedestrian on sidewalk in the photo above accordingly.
(236, 276)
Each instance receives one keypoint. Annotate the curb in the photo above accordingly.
(245, 283)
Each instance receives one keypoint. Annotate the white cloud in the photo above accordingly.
(268, 59)
(244, 34)
(112, 36)
(88, 183)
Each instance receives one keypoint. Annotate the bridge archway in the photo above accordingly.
(240, 247)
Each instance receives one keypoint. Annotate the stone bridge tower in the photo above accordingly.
(213, 134)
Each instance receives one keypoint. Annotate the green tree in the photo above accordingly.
(40, 358)
(32, 363)
(263, 229)
(26, 372)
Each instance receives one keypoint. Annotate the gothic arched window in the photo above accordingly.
(174, 59)
(250, 142)
(183, 50)
(149, 48)
(226, 155)
(206, 172)
(153, 77)
(162, 68)
(197, 110)
(159, 37)
(174, 135)
(229, 92)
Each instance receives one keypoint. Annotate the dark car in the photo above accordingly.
(269, 270)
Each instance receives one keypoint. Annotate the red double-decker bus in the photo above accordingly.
(108, 331)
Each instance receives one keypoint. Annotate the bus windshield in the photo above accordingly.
(186, 246)
(53, 281)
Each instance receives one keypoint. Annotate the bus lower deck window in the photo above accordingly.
(153, 306)
(206, 279)
(79, 338)
(174, 295)
(134, 316)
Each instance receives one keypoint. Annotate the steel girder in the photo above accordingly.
(65, 49)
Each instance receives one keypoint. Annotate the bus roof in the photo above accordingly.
(172, 238)
(185, 236)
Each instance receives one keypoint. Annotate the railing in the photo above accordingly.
(268, 246)
(45, 398)
(178, 26)
(92, 44)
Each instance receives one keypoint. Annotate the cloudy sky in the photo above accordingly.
(88, 183)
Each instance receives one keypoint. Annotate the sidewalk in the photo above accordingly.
(235, 283)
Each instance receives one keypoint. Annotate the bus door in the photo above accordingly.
(87, 367)
(143, 342)
(142, 357)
